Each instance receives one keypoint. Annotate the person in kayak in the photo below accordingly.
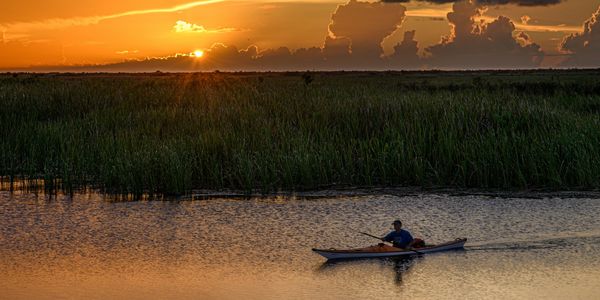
(400, 238)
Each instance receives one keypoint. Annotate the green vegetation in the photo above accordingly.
(171, 133)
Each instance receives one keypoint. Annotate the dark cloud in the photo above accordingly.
(221, 56)
(365, 25)
(519, 2)
(405, 54)
(336, 51)
(276, 59)
(230, 58)
(309, 58)
(477, 45)
(486, 2)
(584, 47)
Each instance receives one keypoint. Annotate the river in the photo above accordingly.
(88, 246)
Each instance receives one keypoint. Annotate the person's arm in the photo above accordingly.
(412, 240)
(387, 237)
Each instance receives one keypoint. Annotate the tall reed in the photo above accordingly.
(172, 133)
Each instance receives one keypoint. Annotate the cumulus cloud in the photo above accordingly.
(520, 2)
(405, 54)
(224, 57)
(525, 19)
(336, 51)
(482, 45)
(488, 2)
(364, 25)
(309, 58)
(584, 47)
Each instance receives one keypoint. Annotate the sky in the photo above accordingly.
(180, 35)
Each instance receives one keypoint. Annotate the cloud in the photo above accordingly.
(23, 28)
(336, 51)
(365, 25)
(482, 45)
(356, 32)
(520, 2)
(525, 19)
(584, 47)
(276, 59)
(223, 57)
(219, 57)
(427, 13)
(487, 2)
(405, 54)
(441, 14)
(125, 52)
(311, 58)
(183, 26)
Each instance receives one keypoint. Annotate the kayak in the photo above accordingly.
(383, 250)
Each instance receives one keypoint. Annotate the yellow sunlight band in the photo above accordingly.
(160, 10)
(435, 13)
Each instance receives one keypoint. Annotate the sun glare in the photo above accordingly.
(198, 53)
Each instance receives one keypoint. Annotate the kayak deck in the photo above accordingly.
(383, 250)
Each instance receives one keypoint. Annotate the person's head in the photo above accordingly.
(397, 225)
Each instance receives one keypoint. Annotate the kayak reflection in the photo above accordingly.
(401, 266)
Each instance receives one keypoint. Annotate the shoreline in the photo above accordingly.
(396, 191)
(316, 194)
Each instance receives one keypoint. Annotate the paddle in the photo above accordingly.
(376, 237)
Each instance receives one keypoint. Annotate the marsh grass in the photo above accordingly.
(171, 133)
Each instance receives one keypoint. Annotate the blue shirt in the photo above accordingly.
(399, 239)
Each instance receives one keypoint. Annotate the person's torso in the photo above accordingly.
(401, 238)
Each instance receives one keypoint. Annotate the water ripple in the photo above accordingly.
(90, 247)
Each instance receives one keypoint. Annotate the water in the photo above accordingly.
(93, 248)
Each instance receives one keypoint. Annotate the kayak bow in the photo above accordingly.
(383, 250)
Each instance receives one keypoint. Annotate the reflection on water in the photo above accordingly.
(400, 265)
(89, 247)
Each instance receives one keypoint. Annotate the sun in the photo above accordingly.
(198, 53)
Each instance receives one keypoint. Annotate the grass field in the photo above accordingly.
(172, 133)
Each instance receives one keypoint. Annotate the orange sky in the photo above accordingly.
(82, 32)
